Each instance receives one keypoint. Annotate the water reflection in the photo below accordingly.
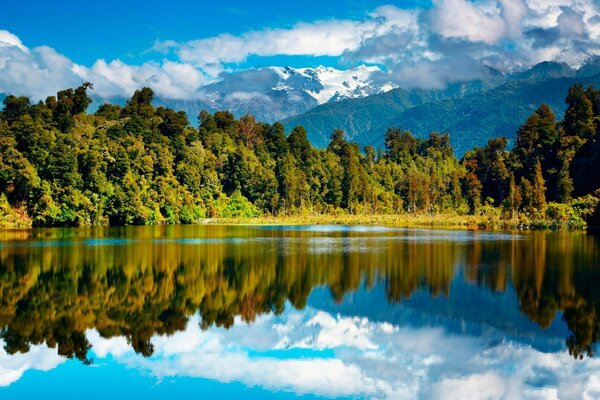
(157, 288)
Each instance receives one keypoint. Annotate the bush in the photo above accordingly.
(12, 217)
(235, 206)
(563, 216)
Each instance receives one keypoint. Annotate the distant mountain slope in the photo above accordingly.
(546, 70)
(358, 117)
(472, 112)
(274, 93)
(473, 120)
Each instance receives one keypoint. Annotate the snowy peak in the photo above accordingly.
(326, 84)
(275, 93)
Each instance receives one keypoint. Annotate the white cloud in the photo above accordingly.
(314, 352)
(489, 385)
(465, 20)
(169, 79)
(42, 71)
(116, 346)
(7, 39)
(320, 38)
(37, 72)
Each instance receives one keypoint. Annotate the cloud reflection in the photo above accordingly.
(39, 357)
(315, 352)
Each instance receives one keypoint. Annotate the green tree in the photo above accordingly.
(579, 117)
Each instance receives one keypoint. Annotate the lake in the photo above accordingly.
(191, 312)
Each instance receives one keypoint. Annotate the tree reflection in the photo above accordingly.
(152, 282)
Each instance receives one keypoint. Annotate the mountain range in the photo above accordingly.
(472, 111)
(275, 93)
(364, 103)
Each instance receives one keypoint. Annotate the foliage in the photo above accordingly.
(139, 164)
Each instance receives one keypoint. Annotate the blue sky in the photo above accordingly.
(86, 31)
(178, 47)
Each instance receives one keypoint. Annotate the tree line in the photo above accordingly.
(140, 164)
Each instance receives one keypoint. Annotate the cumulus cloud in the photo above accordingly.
(465, 20)
(456, 39)
(42, 71)
(315, 352)
(319, 38)
(7, 39)
(35, 72)
(428, 48)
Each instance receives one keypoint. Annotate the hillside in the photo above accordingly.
(356, 117)
(475, 119)
(471, 119)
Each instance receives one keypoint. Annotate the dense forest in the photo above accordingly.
(140, 164)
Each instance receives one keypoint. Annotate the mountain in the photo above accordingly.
(545, 70)
(364, 105)
(473, 120)
(359, 116)
(274, 93)
(590, 68)
(472, 112)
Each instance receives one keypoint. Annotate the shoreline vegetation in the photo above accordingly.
(493, 222)
(142, 165)
(440, 221)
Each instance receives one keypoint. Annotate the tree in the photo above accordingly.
(300, 146)
(401, 146)
(579, 117)
(173, 122)
(224, 120)
(14, 107)
(538, 196)
(514, 199)
(276, 141)
(337, 142)
(140, 104)
(71, 102)
(472, 186)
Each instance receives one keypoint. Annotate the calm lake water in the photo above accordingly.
(189, 312)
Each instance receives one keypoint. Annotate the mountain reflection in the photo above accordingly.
(141, 282)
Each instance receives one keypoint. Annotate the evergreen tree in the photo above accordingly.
(514, 199)
(579, 117)
(538, 195)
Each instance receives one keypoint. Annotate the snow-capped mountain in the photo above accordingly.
(274, 93)
(329, 84)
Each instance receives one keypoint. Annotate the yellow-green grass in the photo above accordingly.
(448, 221)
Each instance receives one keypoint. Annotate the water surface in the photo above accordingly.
(289, 312)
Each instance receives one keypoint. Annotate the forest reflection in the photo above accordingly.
(146, 281)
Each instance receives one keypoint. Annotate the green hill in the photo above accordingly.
(475, 119)
(471, 119)
(359, 117)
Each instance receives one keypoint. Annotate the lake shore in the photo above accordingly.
(448, 221)
(488, 221)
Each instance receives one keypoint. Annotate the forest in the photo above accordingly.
(143, 165)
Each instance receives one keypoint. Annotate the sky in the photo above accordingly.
(177, 47)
